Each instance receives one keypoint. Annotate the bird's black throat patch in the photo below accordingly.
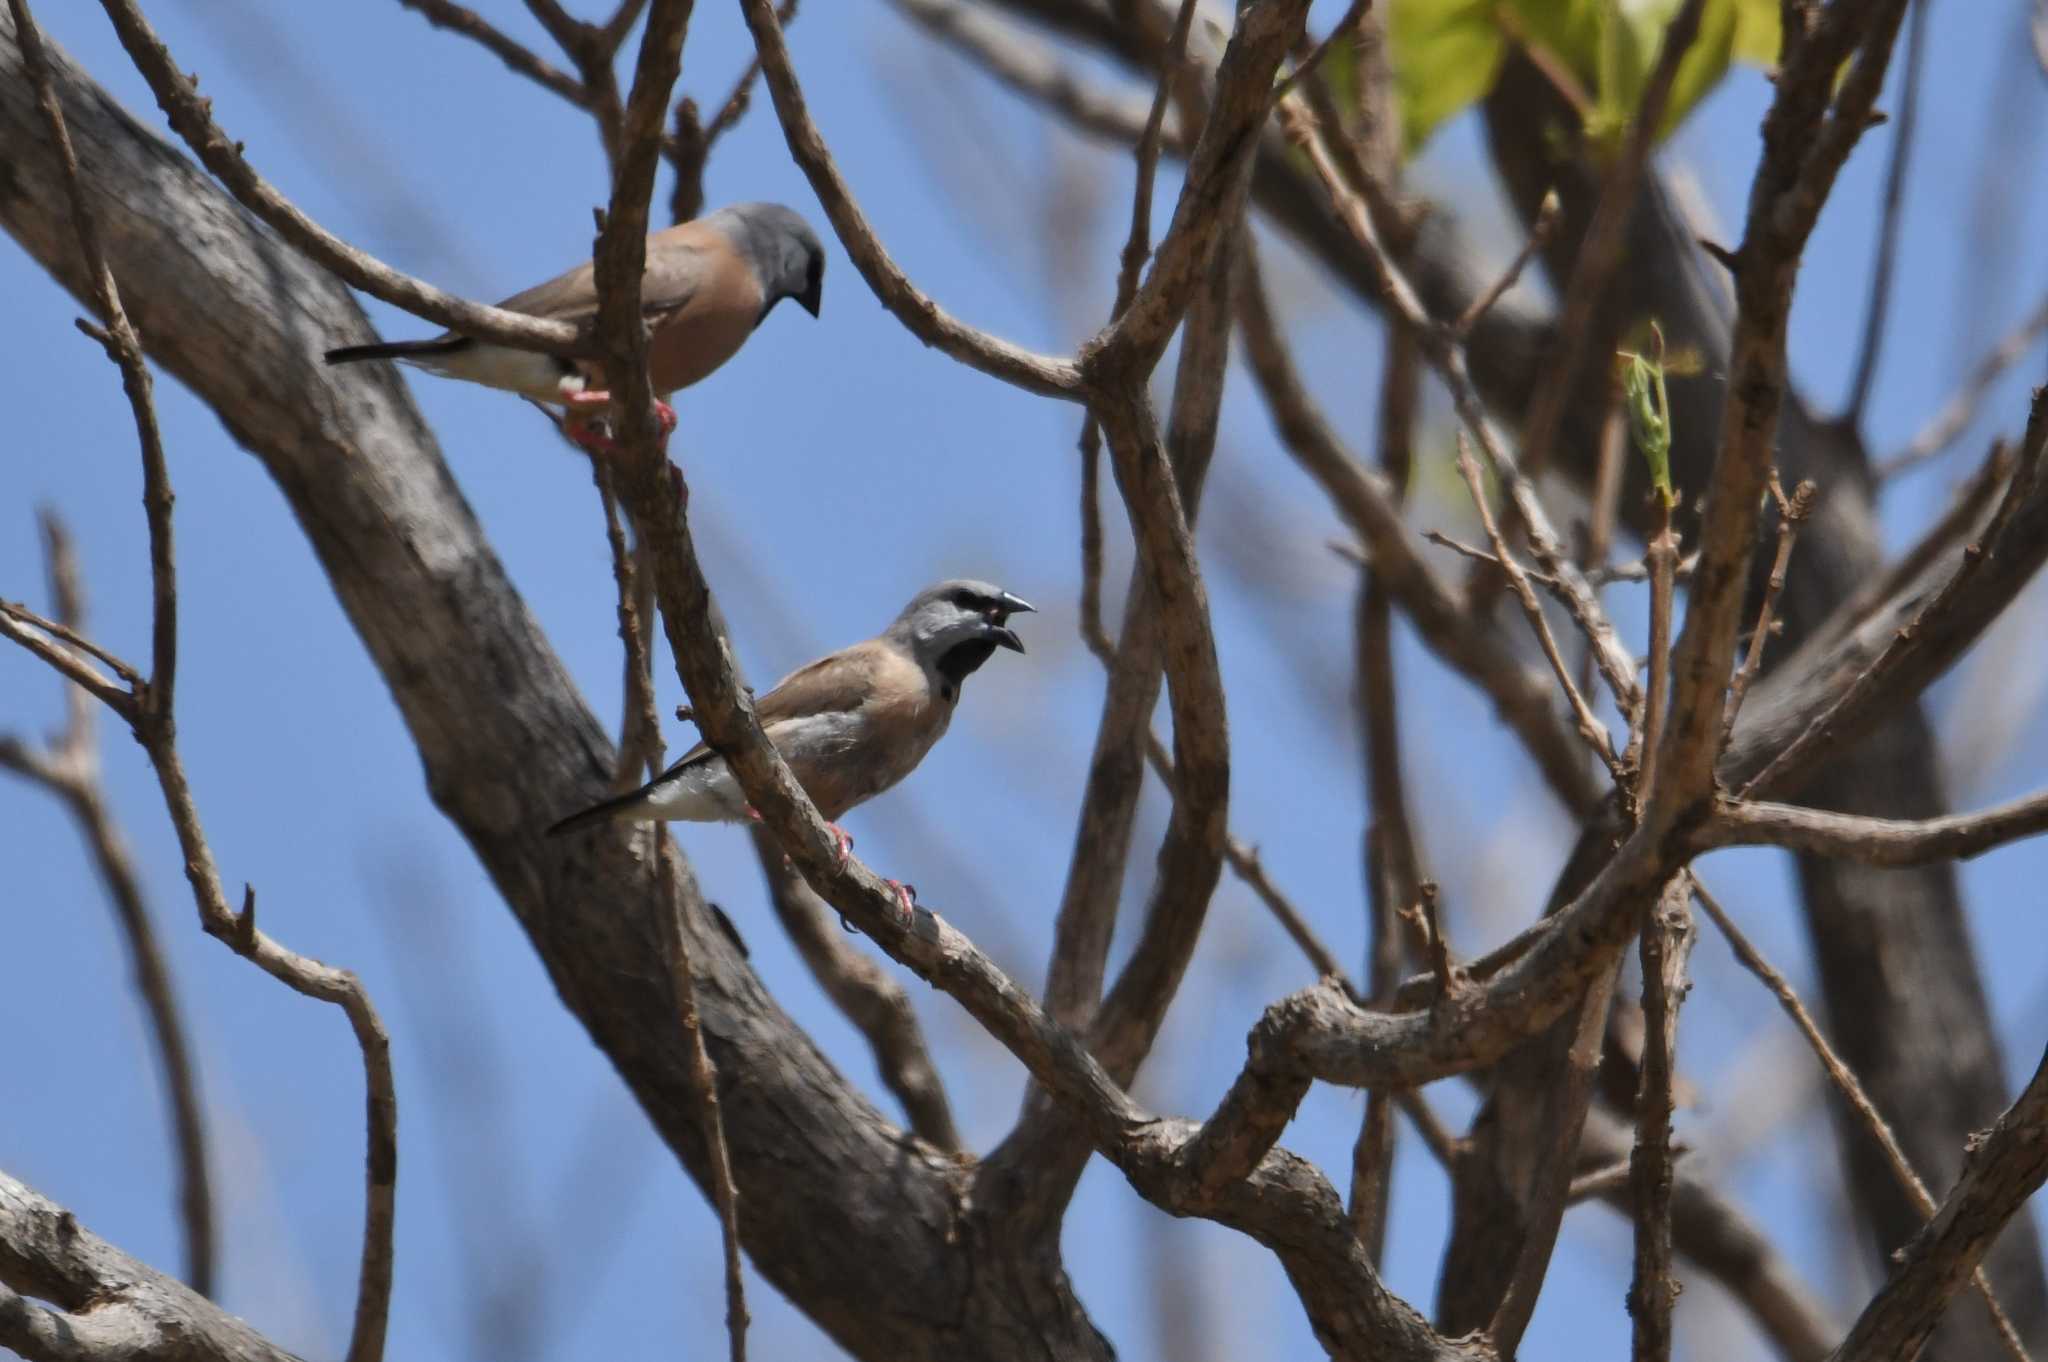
(960, 661)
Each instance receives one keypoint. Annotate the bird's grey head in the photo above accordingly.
(783, 249)
(954, 627)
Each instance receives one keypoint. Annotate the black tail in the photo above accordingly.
(597, 813)
(350, 354)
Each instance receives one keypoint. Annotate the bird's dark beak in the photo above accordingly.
(1014, 605)
(813, 297)
(1006, 637)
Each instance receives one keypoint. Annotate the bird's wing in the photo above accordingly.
(678, 260)
(834, 684)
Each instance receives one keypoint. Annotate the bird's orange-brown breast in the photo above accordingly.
(896, 723)
(724, 299)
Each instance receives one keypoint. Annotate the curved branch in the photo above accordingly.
(1877, 841)
(926, 320)
(191, 115)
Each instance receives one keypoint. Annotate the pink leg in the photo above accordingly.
(906, 896)
(844, 839)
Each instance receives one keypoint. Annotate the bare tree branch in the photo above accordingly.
(1666, 944)
(1885, 262)
(69, 768)
(1851, 1091)
(104, 1304)
(2001, 1169)
(925, 319)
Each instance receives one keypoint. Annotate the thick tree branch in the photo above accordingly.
(104, 1304)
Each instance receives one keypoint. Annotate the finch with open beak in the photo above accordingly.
(851, 724)
(709, 283)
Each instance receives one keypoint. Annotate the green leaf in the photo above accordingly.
(1446, 54)
(1758, 34)
(1649, 412)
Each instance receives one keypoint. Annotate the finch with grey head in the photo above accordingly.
(709, 283)
(851, 724)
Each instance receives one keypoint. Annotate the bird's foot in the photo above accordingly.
(590, 433)
(843, 841)
(906, 898)
(585, 413)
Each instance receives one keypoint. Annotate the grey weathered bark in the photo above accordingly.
(103, 1304)
(866, 1228)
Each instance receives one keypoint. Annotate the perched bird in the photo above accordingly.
(851, 724)
(709, 283)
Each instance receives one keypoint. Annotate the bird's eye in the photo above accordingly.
(963, 598)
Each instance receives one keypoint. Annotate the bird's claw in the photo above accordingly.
(906, 897)
(591, 401)
(842, 843)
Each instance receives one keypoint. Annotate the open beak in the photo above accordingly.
(1006, 637)
(1016, 605)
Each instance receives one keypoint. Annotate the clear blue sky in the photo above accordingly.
(836, 467)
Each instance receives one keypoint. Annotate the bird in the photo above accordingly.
(709, 283)
(851, 724)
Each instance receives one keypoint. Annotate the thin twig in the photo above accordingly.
(521, 59)
(1590, 727)
(925, 318)
(1428, 917)
(1599, 252)
(1875, 841)
(1447, 357)
(1666, 943)
(1965, 511)
(1819, 730)
(1469, 645)
(1307, 66)
(69, 768)
(1960, 410)
(24, 627)
(1547, 215)
(1600, 1182)
(704, 1079)
(1244, 859)
(1885, 262)
(1792, 513)
(1393, 864)
(640, 744)
(736, 103)
(191, 117)
(1850, 1089)
(1606, 509)
(1661, 554)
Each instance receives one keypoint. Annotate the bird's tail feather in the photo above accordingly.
(609, 811)
(350, 354)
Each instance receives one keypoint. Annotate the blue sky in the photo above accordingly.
(836, 466)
